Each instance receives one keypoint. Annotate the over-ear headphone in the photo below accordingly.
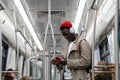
(72, 29)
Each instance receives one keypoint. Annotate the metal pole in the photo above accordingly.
(49, 23)
(32, 63)
(17, 52)
(54, 78)
(104, 66)
(49, 66)
(53, 37)
(116, 41)
(26, 62)
(36, 69)
(94, 32)
(49, 20)
(50, 69)
(32, 69)
(43, 55)
(93, 47)
(0, 55)
(36, 61)
(86, 24)
(17, 30)
(17, 47)
(9, 71)
(104, 72)
(61, 74)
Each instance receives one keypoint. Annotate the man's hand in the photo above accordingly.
(59, 66)
(54, 62)
(64, 61)
(58, 60)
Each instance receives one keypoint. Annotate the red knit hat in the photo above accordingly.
(66, 24)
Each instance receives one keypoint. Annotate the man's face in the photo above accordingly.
(12, 74)
(66, 33)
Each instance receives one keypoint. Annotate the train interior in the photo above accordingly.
(30, 36)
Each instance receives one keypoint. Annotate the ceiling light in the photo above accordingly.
(27, 22)
(79, 14)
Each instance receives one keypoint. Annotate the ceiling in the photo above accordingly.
(37, 10)
(60, 11)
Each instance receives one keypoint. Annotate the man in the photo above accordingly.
(79, 52)
(10, 75)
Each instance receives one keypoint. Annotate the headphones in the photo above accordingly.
(72, 29)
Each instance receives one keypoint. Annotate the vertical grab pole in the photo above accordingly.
(36, 77)
(0, 55)
(17, 51)
(49, 19)
(36, 61)
(43, 55)
(116, 40)
(49, 67)
(86, 24)
(94, 32)
(26, 62)
(93, 47)
(53, 37)
(16, 36)
(54, 73)
(49, 23)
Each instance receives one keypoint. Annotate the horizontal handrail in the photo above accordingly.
(9, 71)
(17, 30)
(104, 66)
(104, 72)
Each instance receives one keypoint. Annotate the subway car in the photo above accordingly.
(30, 37)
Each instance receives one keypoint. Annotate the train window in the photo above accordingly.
(31, 68)
(4, 54)
(104, 51)
(23, 65)
(20, 54)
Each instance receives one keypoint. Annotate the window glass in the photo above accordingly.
(23, 65)
(104, 51)
(4, 55)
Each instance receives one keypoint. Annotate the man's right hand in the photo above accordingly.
(64, 61)
(58, 60)
(54, 62)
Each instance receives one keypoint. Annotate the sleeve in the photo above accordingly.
(85, 59)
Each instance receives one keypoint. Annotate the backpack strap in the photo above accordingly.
(79, 50)
(79, 46)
